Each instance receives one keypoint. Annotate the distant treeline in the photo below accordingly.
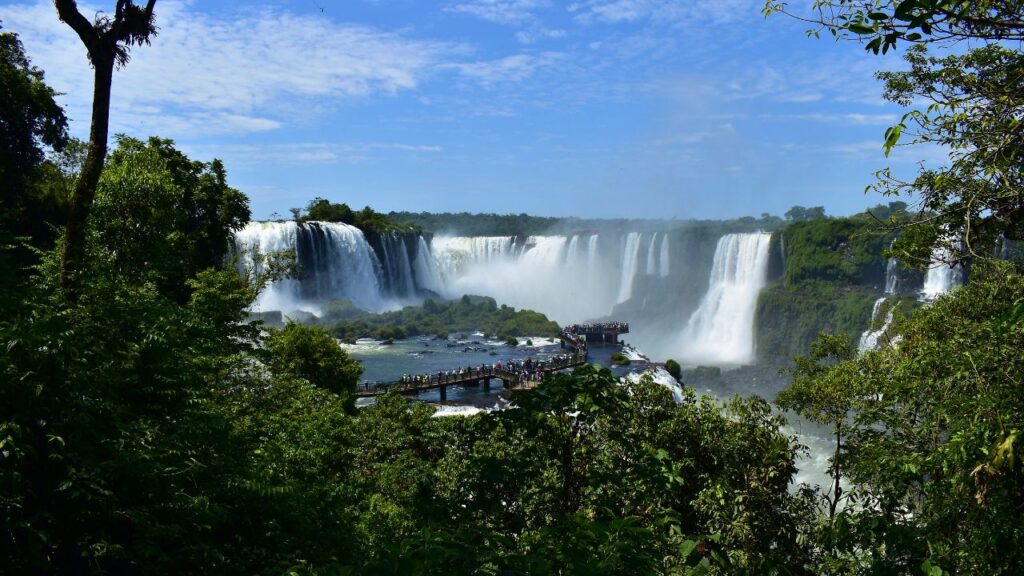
(467, 224)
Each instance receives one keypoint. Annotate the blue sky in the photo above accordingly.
(593, 108)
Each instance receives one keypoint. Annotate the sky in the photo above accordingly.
(591, 108)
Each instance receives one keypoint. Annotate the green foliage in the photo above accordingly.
(30, 118)
(309, 352)
(846, 251)
(930, 433)
(974, 103)
(161, 215)
(367, 220)
(673, 368)
(511, 341)
(789, 318)
(466, 314)
(801, 214)
(467, 224)
(619, 359)
(882, 24)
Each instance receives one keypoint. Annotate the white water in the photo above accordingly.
(659, 376)
(427, 275)
(335, 260)
(721, 330)
(652, 261)
(564, 277)
(891, 276)
(941, 277)
(663, 267)
(630, 256)
(869, 339)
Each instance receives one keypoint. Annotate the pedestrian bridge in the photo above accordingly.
(520, 374)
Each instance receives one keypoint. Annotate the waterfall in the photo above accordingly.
(663, 264)
(335, 263)
(652, 263)
(869, 339)
(398, 278)
(630, 255)
(891, 276)
(574, 249)
(424, 269)
(941, 276)
(721, 330)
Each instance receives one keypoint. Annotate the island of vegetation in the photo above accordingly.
(436, 318)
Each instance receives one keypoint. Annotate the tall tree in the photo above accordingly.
(108, 41)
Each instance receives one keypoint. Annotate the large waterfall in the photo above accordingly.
(570, 278)
(721, 331)
(335, 262)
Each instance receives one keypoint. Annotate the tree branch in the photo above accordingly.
(67, 11)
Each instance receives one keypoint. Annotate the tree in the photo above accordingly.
(311, 353)
(975, 107)
(158, 210)
(972, 107)
(801, 214)
(108, 41)
(883, 23)
(30, 118)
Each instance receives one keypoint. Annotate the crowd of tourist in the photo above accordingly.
(575, 334)
(522, 371)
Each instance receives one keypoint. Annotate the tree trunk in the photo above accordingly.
(85, 188)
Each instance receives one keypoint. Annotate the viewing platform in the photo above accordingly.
(521, 374)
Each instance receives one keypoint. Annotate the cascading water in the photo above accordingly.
(652, 262)
(663, 265)
(568, 278)
(941, 277)
(630, 256)
(869, 339)
(425, 270)
(891, 276)
(721, 330)
(335, 262)
(397, 279)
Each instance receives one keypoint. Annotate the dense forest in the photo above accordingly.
(147, 428)
(466, 224)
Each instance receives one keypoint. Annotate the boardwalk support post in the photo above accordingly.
(444, 393)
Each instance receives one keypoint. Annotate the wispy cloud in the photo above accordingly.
(309, 152)
(500, 11)
(243, 73)
(670, 12)
(521, 14)
(515, 68)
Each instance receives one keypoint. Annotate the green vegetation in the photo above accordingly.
(673, 368)
(367, 220)
(467, 224)
(310, 353)
(466, 314)
(927, 437)
(619, 359)
(829, 273)
(147, 428)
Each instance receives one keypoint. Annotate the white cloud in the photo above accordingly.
(515, 68)
(671, 12)
(247, 72)
(500, 11)
(303, 153)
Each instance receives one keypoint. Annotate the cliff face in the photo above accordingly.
(825, 275)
